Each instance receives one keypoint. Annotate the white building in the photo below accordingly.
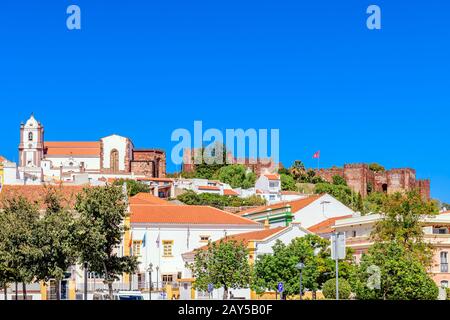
(160, 233)
(113, 156)
(258, 243)
(307, 211)
(268, 186)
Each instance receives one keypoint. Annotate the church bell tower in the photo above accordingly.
(31, 147)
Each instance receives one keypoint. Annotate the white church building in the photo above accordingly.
(93, 162)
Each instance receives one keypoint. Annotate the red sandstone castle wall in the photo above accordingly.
(359, 176)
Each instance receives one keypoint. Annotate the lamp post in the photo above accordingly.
(300, 266)
(150, 270)
(157, 278)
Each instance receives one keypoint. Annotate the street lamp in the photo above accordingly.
(150, 270)
(300, 266)
(157, 278)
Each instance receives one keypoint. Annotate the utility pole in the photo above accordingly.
(337, 264)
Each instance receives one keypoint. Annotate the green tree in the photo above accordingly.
(373, 202)
(133, 187)
(236, 176)
(219, 201)
(401, 222)
(287, 182)
(209, 160)
(297, 169)
(389, 272)
(19, 219)
(55, 236)
(339, 181)
(376, 167)
(224, 264)
(313, 251)
(329, 289)
(102, 212)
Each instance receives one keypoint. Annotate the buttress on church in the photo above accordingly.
(94, 162)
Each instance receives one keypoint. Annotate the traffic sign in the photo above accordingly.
(338, 246)
(280, 287)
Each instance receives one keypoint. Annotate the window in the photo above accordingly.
(114, 165)
(444, 284)
(271, 197)
(30, 136)
(167, 277)
(204, 238)
(137, 247)
(273, 184)
(444, 261)
(354, 233)
(167, 246)
(440, 230)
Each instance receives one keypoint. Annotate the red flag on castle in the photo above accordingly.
(317, 156)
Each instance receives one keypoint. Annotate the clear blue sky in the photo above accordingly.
(310, 68)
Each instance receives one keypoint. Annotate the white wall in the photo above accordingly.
(114, 142)
(316, 212)
(179, 234)
(90, 163)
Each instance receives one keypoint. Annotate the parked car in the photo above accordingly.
(120, 295)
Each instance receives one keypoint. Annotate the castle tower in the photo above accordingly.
(31, 147)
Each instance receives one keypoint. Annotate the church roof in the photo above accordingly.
(72, 148)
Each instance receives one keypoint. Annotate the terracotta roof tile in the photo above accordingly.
(208, 188)
(230, 192)
(250, 236)
(172, 214)
(327, 225)
(272, 176)
(72, 148)
(35, 193)
(147, 198)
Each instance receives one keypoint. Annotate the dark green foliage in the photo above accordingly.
(329, 289)
(133, 187)
(402, 275)
(224, 264)
(219, 201)
(236, 176)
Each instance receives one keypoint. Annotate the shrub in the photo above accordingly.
(329, 289)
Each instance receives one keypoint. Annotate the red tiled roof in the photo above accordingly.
(147, 198)
(291, 193)
(72, 148)
(230, 192)
(155, 179)
(295, 205)
(208, 188)
(327, 225)
(36, 193)
(272, 176)
(246, 237)
(172, 214)
(444, 212)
